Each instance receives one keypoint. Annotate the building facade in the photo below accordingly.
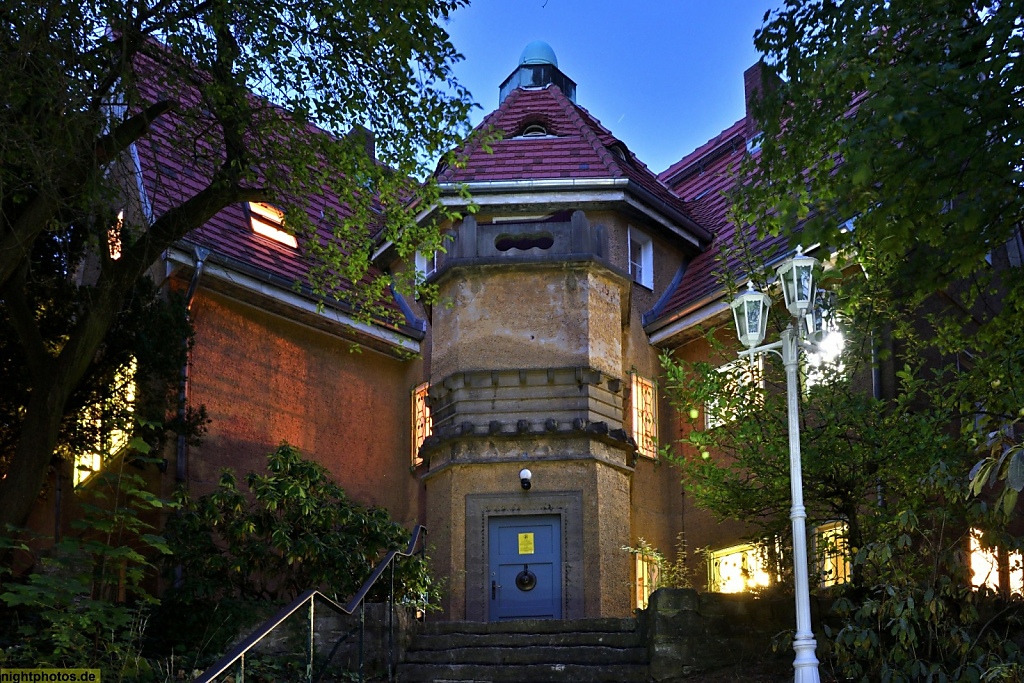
(521, 415)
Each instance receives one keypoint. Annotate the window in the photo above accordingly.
(992, 567)
(426, 264)
(114, 237)
(644, 398)
(754, 143)
(268, 221)
(833, 554)
(422, 422)
(738, 569)
(647, 575)
(744, 372)
(107, 425)
(641, 258)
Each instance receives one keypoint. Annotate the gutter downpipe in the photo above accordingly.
(181, 453)
(876, 391)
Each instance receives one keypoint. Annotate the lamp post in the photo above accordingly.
(750, 312)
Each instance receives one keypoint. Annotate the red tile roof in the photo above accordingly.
(576, 146)
(703, 179)
(174, 170)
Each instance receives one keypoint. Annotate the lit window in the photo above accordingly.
(114, 237)
(108, 424)
(737, 569)
(985, 570)
(833, 554)
(641, 258)
(645, 415)
(422, 422)
(268, 221)
(647, 575)
(745, 372)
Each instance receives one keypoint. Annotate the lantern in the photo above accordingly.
(750, 311)
(796, 275)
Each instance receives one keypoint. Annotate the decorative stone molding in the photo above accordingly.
(526, 401)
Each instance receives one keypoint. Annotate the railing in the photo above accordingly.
(236, 657)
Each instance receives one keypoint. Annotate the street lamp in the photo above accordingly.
(750, 312)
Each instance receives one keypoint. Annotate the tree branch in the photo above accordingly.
(110, 145)
(24, 323)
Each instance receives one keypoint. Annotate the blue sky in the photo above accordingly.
(664, 75)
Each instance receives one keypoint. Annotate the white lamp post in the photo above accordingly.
(750, 311)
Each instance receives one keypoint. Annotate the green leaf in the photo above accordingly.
(1015, 471)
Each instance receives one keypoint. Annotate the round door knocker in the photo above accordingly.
(526, 580)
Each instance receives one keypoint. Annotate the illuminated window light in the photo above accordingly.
(114, 237)
(833, 553)
(268, 221)
(984, 564)
(644, 398)
(111, 434)
(737, 569)
(647, 576)
(422, 422)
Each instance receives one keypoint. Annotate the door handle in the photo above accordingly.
(494, 590)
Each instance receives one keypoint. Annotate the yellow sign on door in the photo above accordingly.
(526, 544)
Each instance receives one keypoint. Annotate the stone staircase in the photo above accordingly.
(527, 651)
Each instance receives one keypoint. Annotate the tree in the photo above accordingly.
(904, 116)
(230, 90)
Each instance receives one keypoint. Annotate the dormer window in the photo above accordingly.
(620, 152)
(268, 220)
(534, 130)
(641, 258)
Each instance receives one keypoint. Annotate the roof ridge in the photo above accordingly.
(606, 157)
(702, 151)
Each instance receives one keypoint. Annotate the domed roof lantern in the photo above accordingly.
(538, 68)
(538, 52)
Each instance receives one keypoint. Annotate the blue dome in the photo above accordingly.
(538, 52)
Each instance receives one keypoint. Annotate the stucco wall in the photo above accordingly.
(536, 315)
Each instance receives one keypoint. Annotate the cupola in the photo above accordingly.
(538, 67)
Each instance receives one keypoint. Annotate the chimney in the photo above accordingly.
(368, 140)
(755, 80)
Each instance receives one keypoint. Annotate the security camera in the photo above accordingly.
(524, 478)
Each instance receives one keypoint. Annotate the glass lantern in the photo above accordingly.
(750, 311)
(796, 275)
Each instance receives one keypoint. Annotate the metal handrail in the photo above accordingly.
(239, 651)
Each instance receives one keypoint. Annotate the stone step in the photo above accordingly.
(526, 673)
(605, 625)
(588, 655)
(446, 641)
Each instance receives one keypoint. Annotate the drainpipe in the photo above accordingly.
(57, 496)
(876, 391)
(181, 459)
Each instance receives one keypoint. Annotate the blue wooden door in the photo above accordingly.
(525, 560)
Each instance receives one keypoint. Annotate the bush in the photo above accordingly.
(240, 554)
